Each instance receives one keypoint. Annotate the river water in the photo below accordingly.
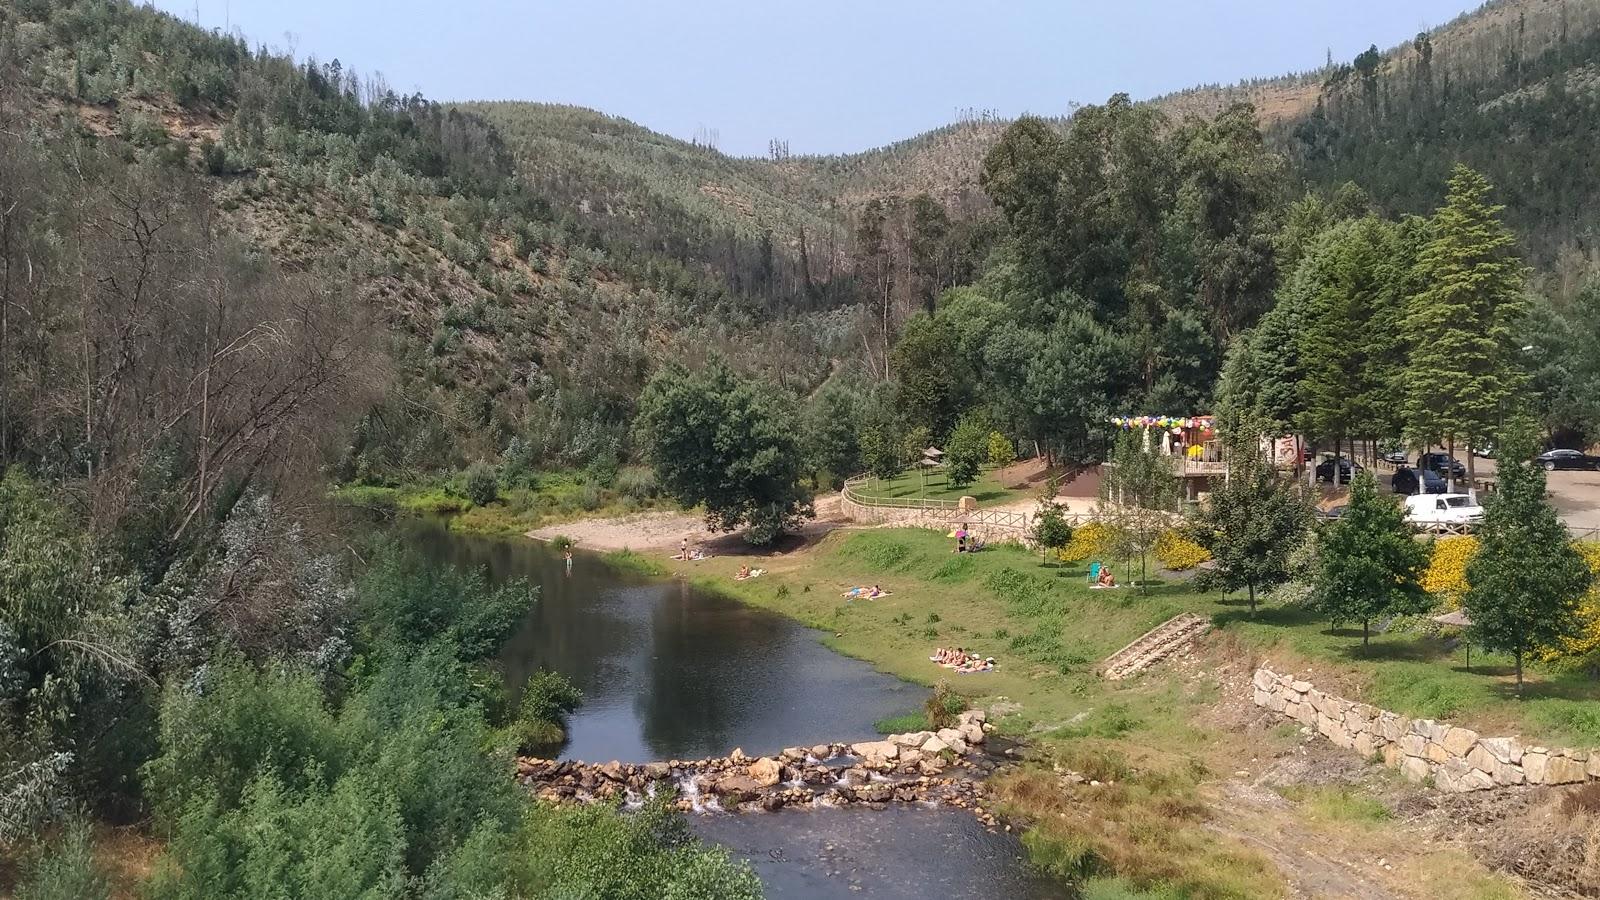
(671, 672)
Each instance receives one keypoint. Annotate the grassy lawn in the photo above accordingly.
(935, 485)
(1048, 630)
(1155, 834)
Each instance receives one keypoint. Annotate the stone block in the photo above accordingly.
(1360, 717)
(1393, 727)
(1414, 768)
(1261, 697)
(1508, 774)
(1451, 776)
(1362, 744)
(911, 739)
(1480, 758)
(1593, 765)
(1459, 740)
(1276, 702)
(1392, 755)
(1429, 729)
(1564, 770)
(1503, 749)
(875, 750)
(934, 746)
(972, 733)
(1413, 744)
(1264, 680)
(1300, 687)
(1437, 753)
(1534, 765)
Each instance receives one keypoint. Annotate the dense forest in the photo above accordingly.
(230, 278)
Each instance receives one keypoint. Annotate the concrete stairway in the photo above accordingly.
(1155, 645)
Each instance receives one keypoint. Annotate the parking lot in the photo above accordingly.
(1575, 495)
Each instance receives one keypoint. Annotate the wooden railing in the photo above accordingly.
(853, 492)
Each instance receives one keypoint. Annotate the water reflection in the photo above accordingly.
(668, 670)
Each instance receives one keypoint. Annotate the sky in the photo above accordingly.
(828, 76)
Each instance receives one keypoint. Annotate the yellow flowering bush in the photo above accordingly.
(1092, 539)
(1586, 644)
(1446, 575)
(1176, 552)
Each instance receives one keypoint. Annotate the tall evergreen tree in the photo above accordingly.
(1464, 321)
(1525, 582)
(1370, 565)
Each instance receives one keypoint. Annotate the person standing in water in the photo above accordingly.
(569, 562)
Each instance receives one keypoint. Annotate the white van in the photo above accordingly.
(1431, 511)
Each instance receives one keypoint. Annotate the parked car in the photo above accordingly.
(1550, 460)
(1432, 482)
(1435, 511)
(1487, 451)
(1408, 481)
(1443, 463)
(1398, 457)
(1347, 469)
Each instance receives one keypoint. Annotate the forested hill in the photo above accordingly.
(511, 319)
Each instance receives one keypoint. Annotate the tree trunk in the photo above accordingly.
(1366, 633)
(1472, 473)
(1518, 656)
(1252, 586)
(1450, 470)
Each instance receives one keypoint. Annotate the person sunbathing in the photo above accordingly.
(875, 593)
(1105, 580)
(744, 572)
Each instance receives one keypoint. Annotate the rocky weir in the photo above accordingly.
(943, 767)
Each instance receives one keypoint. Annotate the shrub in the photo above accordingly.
(637, 482)
(602, 470)
(547, 699)
(943, 706)
(1177, 553)
(230, 724)
(1095, 539)
(592, 497)
(406, 603)
(482, 483)
(1446, 575)
(65, 871)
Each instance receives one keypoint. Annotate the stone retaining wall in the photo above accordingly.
(1456, 759)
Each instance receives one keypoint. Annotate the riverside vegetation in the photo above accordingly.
(230, 278)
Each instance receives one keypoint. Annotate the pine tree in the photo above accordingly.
(1463, 321)
(1371, 565)
(1525, 583)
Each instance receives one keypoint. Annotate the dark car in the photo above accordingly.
(1347, 470)
(1408, 481)
(1551, 460)
(1432, 482)
(1442, 463)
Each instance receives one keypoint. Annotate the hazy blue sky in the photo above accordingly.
(827, 75)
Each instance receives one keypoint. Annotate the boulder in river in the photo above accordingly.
(935, 745)
(910, 739)
(737, 788)
(765, 771)
(875, 751)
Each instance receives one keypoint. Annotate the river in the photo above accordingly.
(672, 672)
